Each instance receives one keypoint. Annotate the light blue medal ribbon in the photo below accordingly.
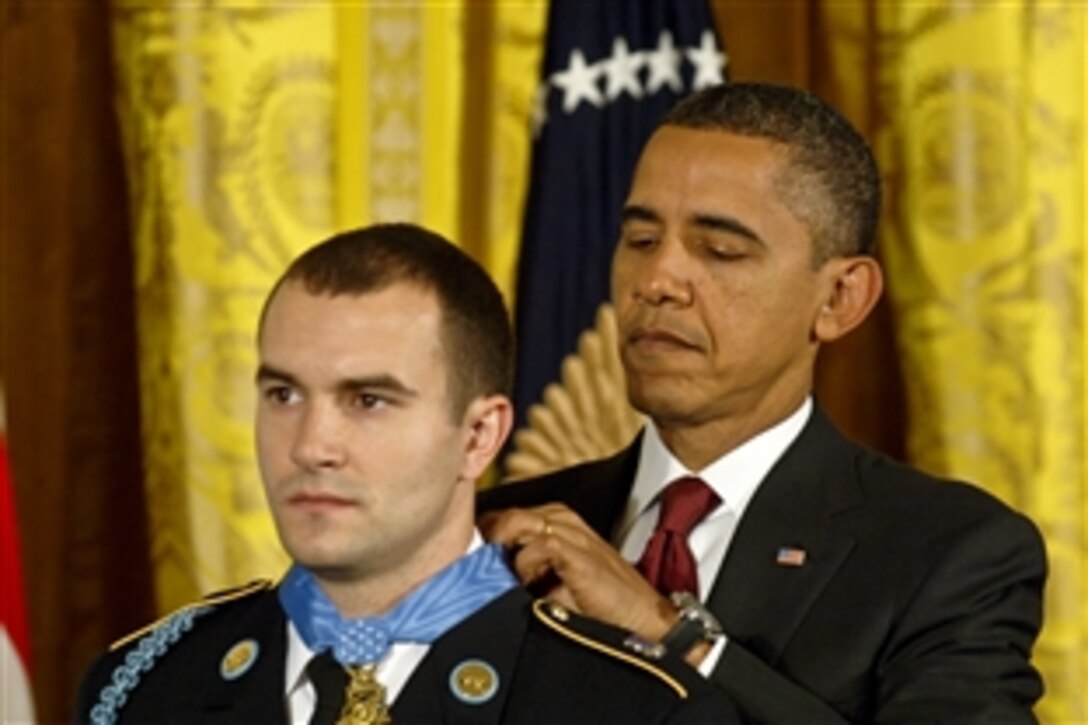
(428, 612)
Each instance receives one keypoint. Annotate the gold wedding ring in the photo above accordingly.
(547, 530)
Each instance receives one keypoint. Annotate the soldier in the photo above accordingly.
(383, 396)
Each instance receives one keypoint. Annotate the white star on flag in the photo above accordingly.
(664, 64)
(621, 71)
(579, 82)
(708, 62)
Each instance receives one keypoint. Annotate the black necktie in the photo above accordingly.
(329, 680)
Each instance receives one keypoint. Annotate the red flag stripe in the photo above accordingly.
(12, 598)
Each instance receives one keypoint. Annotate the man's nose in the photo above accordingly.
(319, 441)
(664, 275)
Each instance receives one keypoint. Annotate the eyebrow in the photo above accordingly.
(713, 222)
(729, 225)
(639, 213)
(383, 381)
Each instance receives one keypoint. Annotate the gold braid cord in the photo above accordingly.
(584, 416)
(364, 699)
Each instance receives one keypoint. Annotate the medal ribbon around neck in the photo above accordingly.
(424, 615)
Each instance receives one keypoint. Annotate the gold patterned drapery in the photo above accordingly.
(985, 121)
(252, 131)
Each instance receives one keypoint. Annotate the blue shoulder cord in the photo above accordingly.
(139, 660)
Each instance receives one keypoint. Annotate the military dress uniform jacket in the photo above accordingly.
(855, 588)
(551, 667)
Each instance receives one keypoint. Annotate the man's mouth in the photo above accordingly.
(657, 338)
(318, 499)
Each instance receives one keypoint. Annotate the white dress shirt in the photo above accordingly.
(734, 477)
(393, 671)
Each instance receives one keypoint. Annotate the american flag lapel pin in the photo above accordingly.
(790, 556)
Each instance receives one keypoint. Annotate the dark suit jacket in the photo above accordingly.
(547, 673)
(918, 600)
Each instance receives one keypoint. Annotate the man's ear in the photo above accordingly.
(487, 422)
(855, 285)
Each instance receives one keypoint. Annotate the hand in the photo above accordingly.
(578, 569)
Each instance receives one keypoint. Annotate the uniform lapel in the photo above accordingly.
(604, 488)
(257, 695)
(493, 636)
(597, 490)
(786, 548)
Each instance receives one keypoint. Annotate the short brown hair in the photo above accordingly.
(475, 326)
(831, 181)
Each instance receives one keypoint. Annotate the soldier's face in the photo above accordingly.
(361, 462)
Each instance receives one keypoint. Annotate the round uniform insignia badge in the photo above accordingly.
(239, 659)
(474, 682)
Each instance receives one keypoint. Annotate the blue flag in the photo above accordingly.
(612, 68)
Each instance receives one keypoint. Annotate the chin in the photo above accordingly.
(326, 565)
(668, 407)
(315, 553)
(658, 405)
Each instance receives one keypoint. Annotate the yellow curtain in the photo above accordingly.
(252, 131)
(985, 244)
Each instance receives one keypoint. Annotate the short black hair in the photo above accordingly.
(475, 326)
(831, 181)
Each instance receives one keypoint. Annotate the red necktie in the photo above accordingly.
(668, 563)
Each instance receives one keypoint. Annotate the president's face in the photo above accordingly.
(714, 283)
(362, 464)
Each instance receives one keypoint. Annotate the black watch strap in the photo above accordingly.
(696, 624)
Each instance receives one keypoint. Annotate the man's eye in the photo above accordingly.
(369, 401)
(724, 254)
(280, 394)
(724, 251)
(639, 240)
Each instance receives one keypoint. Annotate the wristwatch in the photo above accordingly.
(696, 624)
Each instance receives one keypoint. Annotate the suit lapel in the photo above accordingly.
(762, 592)
(258, 694)
(494, 636)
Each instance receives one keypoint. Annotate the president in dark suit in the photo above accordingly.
(824, 582)
(382, 397)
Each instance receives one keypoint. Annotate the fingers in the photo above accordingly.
(548, 540)
(548, 560)
(518, 527)
(554, 539)
(573, 566)
(559, 556)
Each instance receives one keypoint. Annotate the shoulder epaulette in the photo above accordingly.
(153, 642)
(239, 592)
(209, 600)
(634, 651)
